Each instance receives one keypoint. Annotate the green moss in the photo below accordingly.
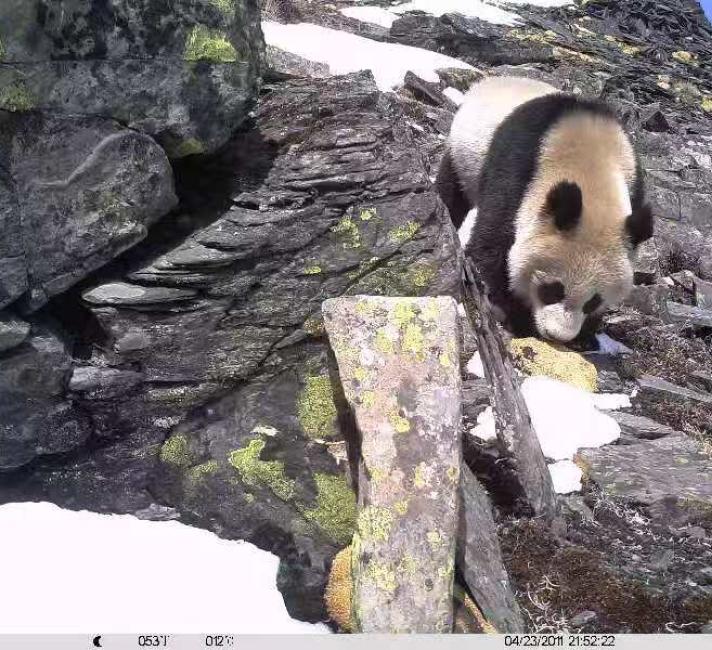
(367, 214)
(255, 472)
(16, 98)
(414, 341)
(312, 270)
(202, 471)
(335, 511)
(374, 523)
(175, 451)
(399, 423)
(189, 147)
(205, 44)
(405, 232)
(348, 230)
(316, 409)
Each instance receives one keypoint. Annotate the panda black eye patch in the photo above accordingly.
(593, 304)
(551, 293)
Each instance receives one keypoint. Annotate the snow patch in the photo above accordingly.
(485, 428)
(566, 477)
(454, 95)
(541, 3)
(373, 15)
(565, 418)
(345, 53)
(611, 401)
(469, 8)
(474, 366)
(79, 572)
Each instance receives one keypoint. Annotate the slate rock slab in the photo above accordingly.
(183, 72)
(640, 427)
(397, 360)
(650, 472)
(13, 331)
(84, 190)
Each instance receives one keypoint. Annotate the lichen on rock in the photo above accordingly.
(256, 472)
(335, 510)
(316, 409)
(175, 451)
(205, 44)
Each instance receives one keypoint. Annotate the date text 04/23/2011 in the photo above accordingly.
(560, 640)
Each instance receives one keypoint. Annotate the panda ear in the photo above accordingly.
(639, 225)
(565, 204)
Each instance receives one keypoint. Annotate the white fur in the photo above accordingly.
(486, 105)
(468, 225)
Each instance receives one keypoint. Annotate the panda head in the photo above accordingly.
(574, 259)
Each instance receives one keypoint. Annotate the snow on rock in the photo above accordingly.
(611, 347)
(455, 95)
(75, 572)
(541, 3)
(469, 8)
(611, 401)
(485, 428)
(566, 476)
(345, 53)
(474, 366)
(565, 418)
(373, 15)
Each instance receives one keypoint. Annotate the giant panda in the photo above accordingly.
(556, 190)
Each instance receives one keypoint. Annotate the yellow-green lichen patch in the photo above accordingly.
(399, 423)
(205, 44)
(405, 232)
(202, 471)
(383, 342)
(360, 374)
(189, 147)
(707, 104)
(421, 275)
(420, 476)
(16, 98)
(408, 565)
(414, 341)
(367, 214)
(226, 6)
(316, 409)
(434, 538)
(314, 269)
(403, 313)
(382, 576)
(445, 360)
(335, 511)
(175, 451)
(374, 523)
(446, 572)
(261, 473)
(453, 473)
(368, 399)
(401, 507)
(314, 326)
(349, 232)
(685, 57)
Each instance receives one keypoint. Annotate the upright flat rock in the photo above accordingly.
(397, 360)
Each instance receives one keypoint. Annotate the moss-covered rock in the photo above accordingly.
(535, 357)
(204, 44)
(176, 451)
(335, 510)
(316, 409)
(339, 590)
(256, 472)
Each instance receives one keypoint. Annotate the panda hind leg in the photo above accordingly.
(450, 191)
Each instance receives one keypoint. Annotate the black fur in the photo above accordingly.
(639, 225)
(509, 167)
(450, 190)
(565, 204)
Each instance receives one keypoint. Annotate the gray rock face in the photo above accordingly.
(398, 367)
(650, 472)
(688, 315)
(654, 387)
(35, 418)
(84, 190)
(639, 427)
(185, 73)
(206, 379)
(13, 331)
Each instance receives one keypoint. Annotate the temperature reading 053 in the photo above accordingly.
(219, 641)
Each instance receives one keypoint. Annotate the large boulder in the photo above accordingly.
(208, 385)
(80, 191)
(183, 72)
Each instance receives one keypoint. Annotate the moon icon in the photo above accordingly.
(97, 641)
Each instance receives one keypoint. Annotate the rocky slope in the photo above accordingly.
(161, 348)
